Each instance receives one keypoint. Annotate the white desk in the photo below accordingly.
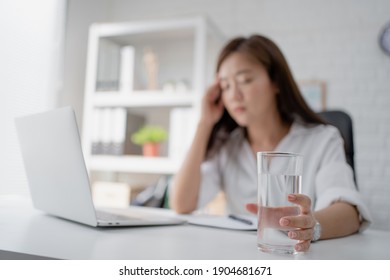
(28, 231)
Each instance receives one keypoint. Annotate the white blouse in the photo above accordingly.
(327, 177)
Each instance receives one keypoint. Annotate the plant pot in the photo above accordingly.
(151, 149)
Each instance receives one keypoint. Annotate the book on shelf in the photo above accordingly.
(107, 119)
(108, 66)
(96, 145)
(118, 130)
(112, 129)
(108, 131)
(126, 78)
(181, 132)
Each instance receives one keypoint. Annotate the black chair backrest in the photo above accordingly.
(343, 122)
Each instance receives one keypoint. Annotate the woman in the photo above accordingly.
(255, 105)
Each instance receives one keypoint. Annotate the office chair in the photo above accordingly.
(343, 122)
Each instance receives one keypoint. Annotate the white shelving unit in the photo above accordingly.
(145, 99)
(186, 48)
(134, 164)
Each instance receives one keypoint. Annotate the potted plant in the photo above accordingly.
(149, 137)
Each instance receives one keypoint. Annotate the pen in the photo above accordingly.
(242, 220)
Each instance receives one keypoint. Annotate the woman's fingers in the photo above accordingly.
(302, 246)
(213, 92)
(305, 234)
(251, 207)
(302, 200)
(301, 221)
(305, 220)
(212, 105)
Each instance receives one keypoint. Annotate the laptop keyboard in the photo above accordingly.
(105, 216)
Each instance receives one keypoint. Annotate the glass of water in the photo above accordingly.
(279, 174)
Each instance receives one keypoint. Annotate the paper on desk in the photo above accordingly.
(222, 222)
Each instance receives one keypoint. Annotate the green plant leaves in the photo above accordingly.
(149, 133)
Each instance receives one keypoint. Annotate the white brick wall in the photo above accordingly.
(335, 41)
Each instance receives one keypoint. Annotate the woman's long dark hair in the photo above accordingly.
(290, 102)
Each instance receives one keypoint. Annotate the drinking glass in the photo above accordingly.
(279, 174)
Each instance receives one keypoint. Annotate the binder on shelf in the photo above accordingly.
(118, 129)
(106, 122)
(126, 79)
(108, 66)
(180, 132)
(96, 133)
(108, 131)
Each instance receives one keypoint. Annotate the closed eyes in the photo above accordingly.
(240, 81)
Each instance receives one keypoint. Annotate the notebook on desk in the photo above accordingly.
(58, 178)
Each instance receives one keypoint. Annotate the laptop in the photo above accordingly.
(58, 178)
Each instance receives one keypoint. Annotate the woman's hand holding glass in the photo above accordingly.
(303, 223)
